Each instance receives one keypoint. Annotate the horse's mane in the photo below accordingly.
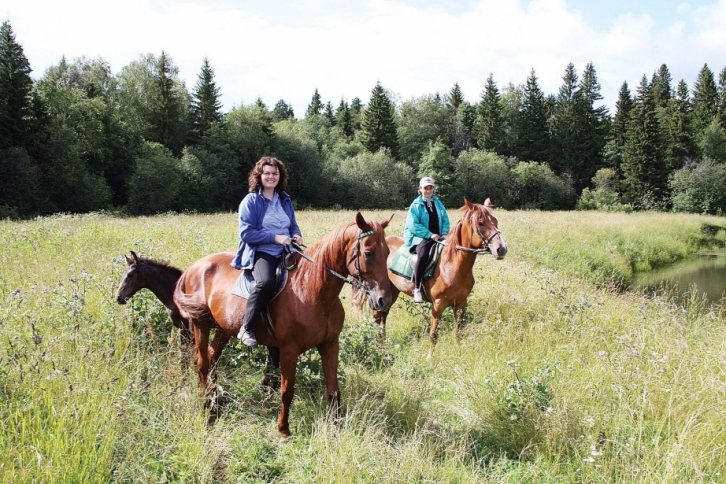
(455, 238)
(325, 251)
(159, 265)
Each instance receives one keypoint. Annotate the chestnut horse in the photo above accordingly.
(476, 233)
(307, 313)
(160, 279)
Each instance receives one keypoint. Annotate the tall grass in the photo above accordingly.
(556, 377)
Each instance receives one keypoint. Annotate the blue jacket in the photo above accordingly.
(252, 211)
(417, 221)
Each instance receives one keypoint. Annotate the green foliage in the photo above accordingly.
(374, 180)
(316, 105)
(20, 194)
(705, 99)
(537, 187)
(156, 182)
(699, 189)
(712, 143)
(422, 121)
(438, 162)
(532, 139)
(604, 196)
(481, 175)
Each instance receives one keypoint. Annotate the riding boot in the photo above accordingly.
(417, 296)
(247, 336)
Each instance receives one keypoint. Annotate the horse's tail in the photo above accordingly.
(192, 306)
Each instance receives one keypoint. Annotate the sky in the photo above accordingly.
(274, 50)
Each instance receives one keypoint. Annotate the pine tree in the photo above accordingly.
(206, 106)
(705, 100)
(316, 105)
(533, 142)
(356, 113)
(458, 130)
(643, 165)
(378, 127)
(489, 125)
(15, 90)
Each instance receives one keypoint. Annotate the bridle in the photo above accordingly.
(358, 281)
(484, 242)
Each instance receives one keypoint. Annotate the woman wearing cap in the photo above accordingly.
(426, 223)
(266, 225)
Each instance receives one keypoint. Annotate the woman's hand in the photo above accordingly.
(283, 239)
(297, 239)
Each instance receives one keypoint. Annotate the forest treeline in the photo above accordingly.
(81, 138)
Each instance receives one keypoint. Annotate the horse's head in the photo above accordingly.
(485, 227)
(368, 262)
(133, 280)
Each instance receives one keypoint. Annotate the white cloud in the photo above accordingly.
(287, 50)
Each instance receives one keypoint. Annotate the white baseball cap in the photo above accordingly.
(426, 181)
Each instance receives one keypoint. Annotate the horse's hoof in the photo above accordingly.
(284, 439)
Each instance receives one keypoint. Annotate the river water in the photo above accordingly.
(705, 274)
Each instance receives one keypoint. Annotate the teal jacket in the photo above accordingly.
(417, 221)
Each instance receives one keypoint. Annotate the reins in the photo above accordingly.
(355, 252)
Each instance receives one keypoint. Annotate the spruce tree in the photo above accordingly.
(722, 97)
(206, 106)
(343, 119)
(489, 125)
(329, 113)
(15, 90)
(643, 166)
(356, 113)
(170, 105)
(378, 127)
(705, 100)
(567, 124)
(662, 90)
(594, 129)
(623, 108)
(533, 143)
(679, 145)
(315, 106)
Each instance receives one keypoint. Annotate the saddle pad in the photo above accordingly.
(401, 263)
(245, 280)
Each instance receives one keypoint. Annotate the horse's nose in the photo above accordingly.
(120, 299)
(501, 251)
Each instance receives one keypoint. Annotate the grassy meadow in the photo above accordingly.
(557, 375)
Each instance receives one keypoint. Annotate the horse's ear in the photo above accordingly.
(385, 223)
(467, 203)
(361, 222)
(135, 258)
(488, 204)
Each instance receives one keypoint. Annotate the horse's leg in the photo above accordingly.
(437, 310)
(380, 317)
(201, 342)
(459, 312)
(288, 365)
(272, 362)
(218, 343)
(329, 352)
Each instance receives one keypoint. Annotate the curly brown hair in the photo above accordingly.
(255, 176)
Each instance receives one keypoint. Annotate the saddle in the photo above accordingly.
(403, 261)
(245, 280)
